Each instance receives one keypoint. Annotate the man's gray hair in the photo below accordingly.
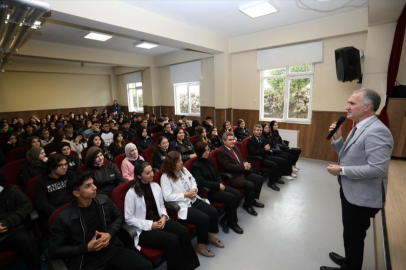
(226, 135)
(370, 96)
(257, 126)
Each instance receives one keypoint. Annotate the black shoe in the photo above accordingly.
(258, 204)
(273, 186)
(224, 224)
(250, 210)
(329, 268)
(237, 229)
(278, 181)
(337, 259)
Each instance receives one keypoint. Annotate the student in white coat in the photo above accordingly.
(144, 209)
(179, 186)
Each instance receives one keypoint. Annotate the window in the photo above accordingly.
(286, 93)
(135, 100)
(187, 98)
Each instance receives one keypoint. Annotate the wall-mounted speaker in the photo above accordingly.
(348, 64)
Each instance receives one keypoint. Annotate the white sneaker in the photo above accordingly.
(294, 169)
(286, 177)
(293, 175)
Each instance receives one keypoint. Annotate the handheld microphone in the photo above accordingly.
(338, 124)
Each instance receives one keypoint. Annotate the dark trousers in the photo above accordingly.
(175, 239)
(295, 152)
(274, 170)
(356, 221)
(206, 218)
(231, 198)
(20, 241)
(252, 187)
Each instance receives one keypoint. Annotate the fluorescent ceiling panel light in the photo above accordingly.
(258, 9)
(98, 36)
(146, 44)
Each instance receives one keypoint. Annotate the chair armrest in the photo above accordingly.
(34, 214)
(286, 142)
(129, 230)
(224, 175)
(254, 157)
(204, 189)
(172, 206)
(56, 264)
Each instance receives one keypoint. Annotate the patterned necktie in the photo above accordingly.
(235, 155)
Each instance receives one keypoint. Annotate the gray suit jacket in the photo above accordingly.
(366, 160)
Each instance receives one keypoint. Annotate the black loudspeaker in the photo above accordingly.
(348, 64)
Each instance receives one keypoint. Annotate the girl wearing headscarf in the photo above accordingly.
(35, 164)
(132, 157)
(73, 162)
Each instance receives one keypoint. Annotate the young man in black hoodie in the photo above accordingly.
(84, 233)
(128, 132)
(50, 190)
(15, 206)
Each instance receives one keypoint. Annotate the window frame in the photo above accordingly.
(288, 77)
(177, 106)
(130, 98)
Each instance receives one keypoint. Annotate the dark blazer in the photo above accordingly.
(229, 164)
(241, 134)
(257, 149)
(205, 174)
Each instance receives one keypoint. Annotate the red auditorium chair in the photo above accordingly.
(11, 172)
(74, 153)
(148, 154)
(118, 160)
(192, 139)
(234, 127)
(156, 136)
(13, 154)
(153, 129)
(203, 192)
(154, 255)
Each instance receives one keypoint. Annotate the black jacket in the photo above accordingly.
(143, 144)
(74, 163)
(28, 171)
(257, 149)
(169, 136)
(129, 135)
(241, 133)
(14, 207)
(215, 142)
(68, 233)
(51, 193)
(205, 174)
(106, 178)
(175, 146)
(115, 150)
(157, 158)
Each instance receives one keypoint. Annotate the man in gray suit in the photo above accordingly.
(362, 172)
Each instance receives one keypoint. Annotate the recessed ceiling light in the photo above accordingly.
(145, 44)
(258, 9)
(98, 36)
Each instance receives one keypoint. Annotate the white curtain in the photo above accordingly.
(132, 77)
(290, 55)
(186, 72)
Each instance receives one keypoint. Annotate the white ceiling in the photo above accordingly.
(224, 18)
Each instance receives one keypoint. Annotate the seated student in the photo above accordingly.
(183, 126)
(80, 143)
(172, 123)
(160, 126)
(278, 167)
(206, 176)
(35, 164)
(33, 141)
(208, 122)
(95, 129)
(295, 152)
(96, 140)
(144, 124)
(19, 130)
(192, 130)
(137, 121)
(70, 134)
(179, 186)
(152, 121)
(60, 136)
(117, 146)
(88, 241)
(214, 138)
(226, 127)
(144, 209)
(201, 137)
(131, 159)
(106, 134)
(168, 132)
(34, 122)
(52, 126)
(144, 141)
(113, 126)
(165, 118)
(241, 132)
(73, 162)
(50, 190)
(12, 143)
(15, 207)
(183, 120)
(29, 131)
(128, 133)
(182, 145)
(45, 137)
(106, 176)
(160, 152)
(4, 130)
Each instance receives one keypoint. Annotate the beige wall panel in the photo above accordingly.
(20, 91)
(207, 84)
(165, 88)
